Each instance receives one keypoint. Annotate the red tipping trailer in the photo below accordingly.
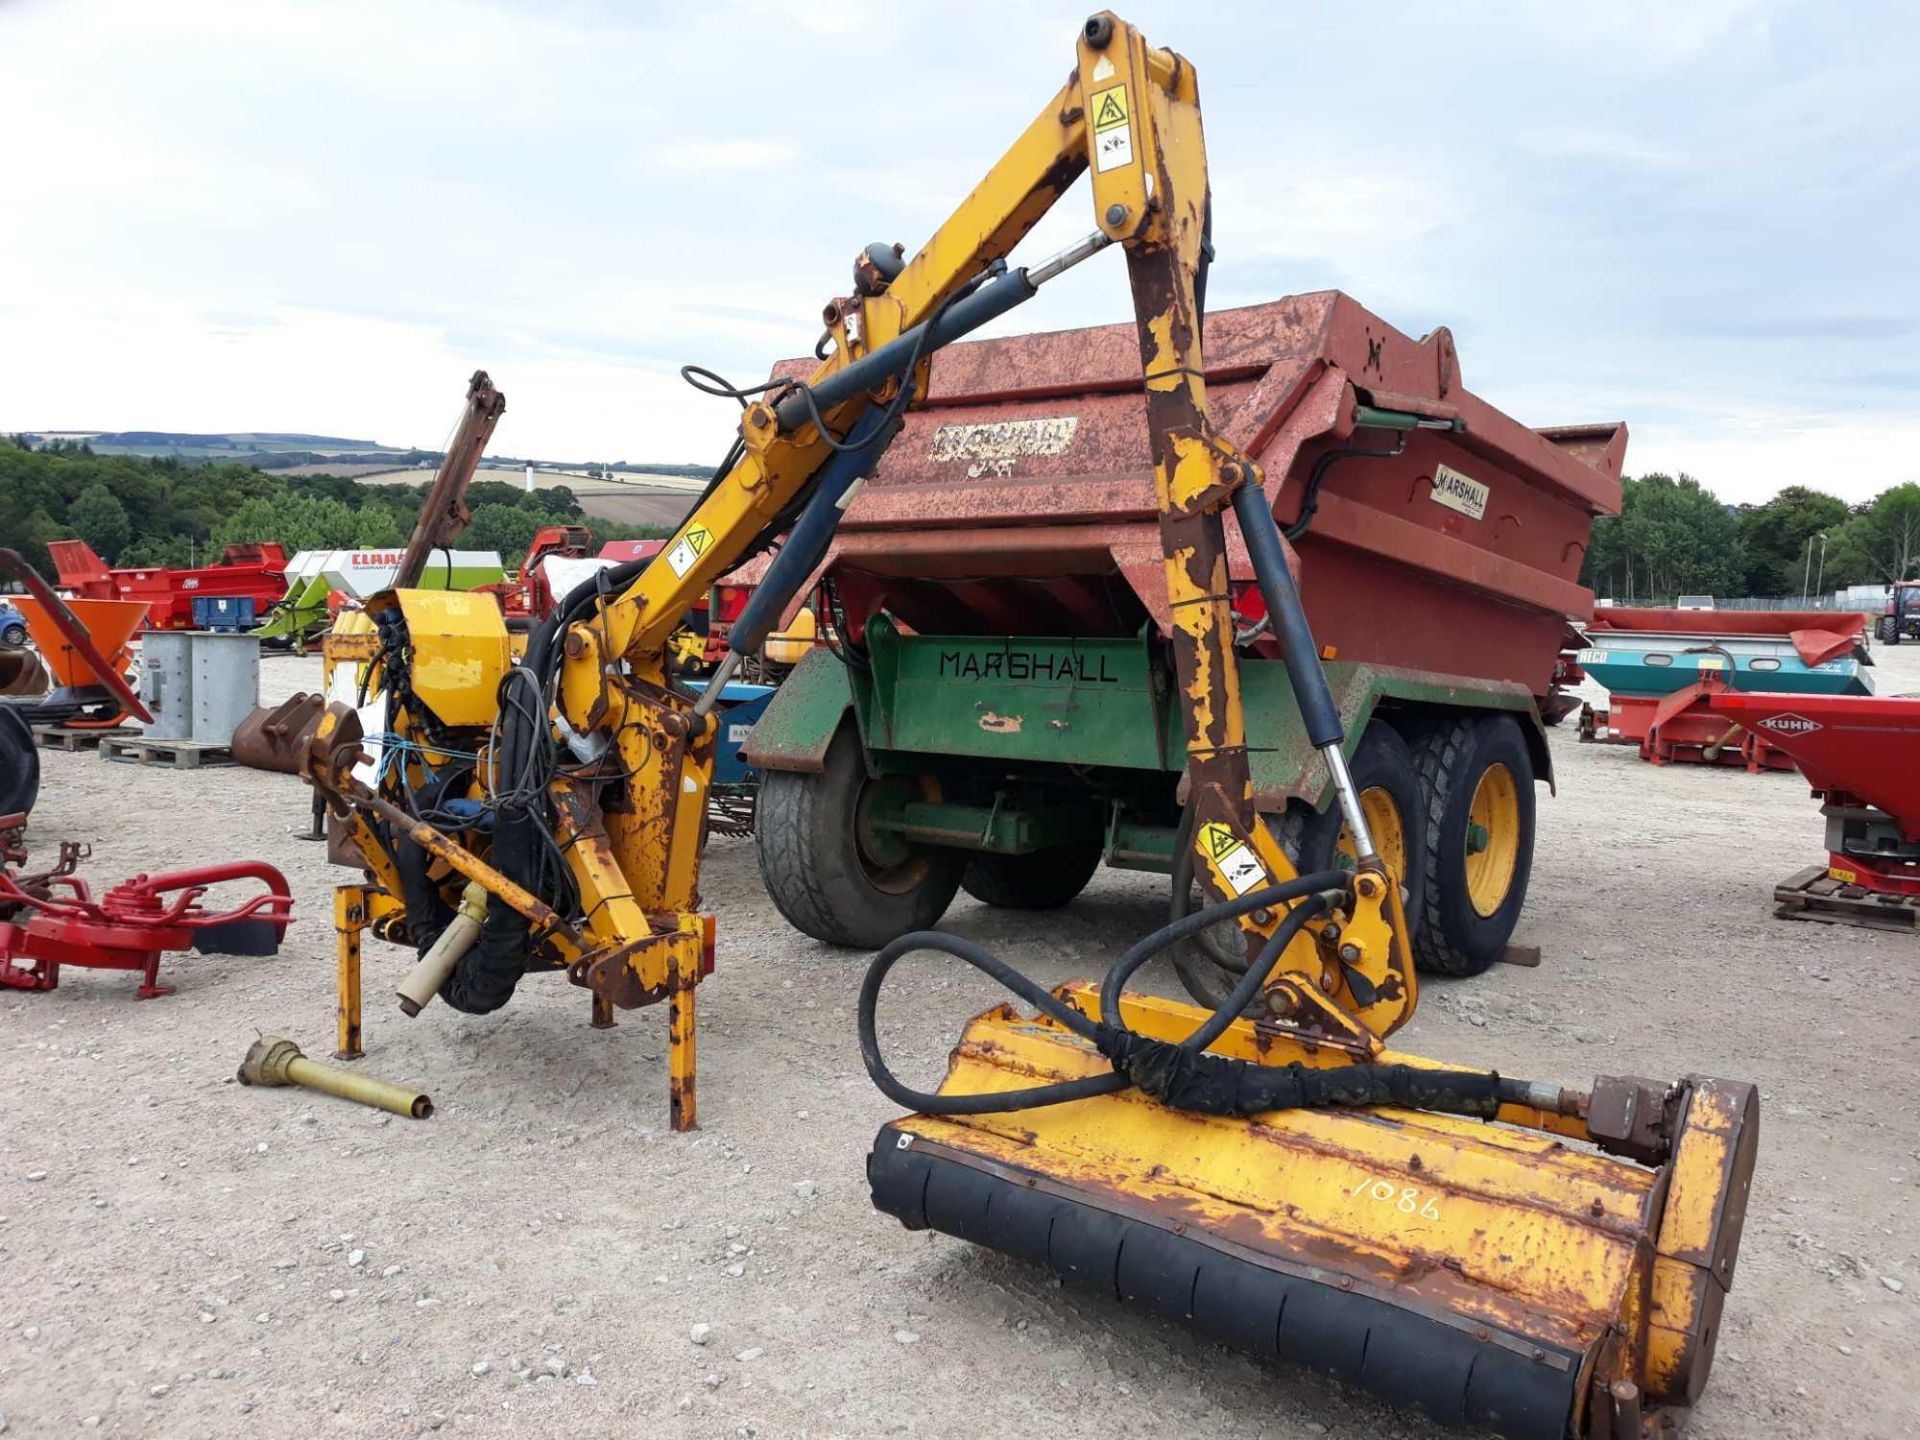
(1448, 539)
(1003, 718)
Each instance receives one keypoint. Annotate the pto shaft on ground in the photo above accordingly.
(275, 1060)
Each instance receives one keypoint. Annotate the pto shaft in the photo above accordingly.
(423, 982)
(276, 1061)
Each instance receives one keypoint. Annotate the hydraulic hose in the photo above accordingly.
(1040, 997)
(1182, 1074)
(806, 544)
(1318, 712)
(487, 975)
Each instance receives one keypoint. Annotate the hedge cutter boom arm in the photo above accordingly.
(1130, 117)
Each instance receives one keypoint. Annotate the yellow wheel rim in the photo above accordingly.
(1493, 839)
(1389, 833)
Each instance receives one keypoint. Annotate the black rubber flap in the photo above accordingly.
(238, 937)
(1403, 1356)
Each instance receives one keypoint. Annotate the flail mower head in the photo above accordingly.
(1550, 1275)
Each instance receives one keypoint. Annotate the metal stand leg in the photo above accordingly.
(150, 987)
(683, 976)
(603, 1013)
(317, 830)
(349, 919)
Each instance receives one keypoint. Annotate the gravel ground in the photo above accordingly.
(187, 1257)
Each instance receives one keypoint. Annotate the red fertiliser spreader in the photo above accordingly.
(1861, 755)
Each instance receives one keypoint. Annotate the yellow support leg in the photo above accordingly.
(683, 976)
(349, 919)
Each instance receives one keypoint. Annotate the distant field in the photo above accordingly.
(639, 498)
(355, 470)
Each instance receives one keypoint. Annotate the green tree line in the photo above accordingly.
(1673, 537)
(136, 510)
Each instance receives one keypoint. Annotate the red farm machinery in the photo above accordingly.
(1861, 756)
(1656, 664)
(50, 918)
(249, 575)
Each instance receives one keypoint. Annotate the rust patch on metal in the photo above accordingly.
(613, 976)
(1002, 724)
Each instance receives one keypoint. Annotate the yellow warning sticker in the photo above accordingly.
(1110, 108)
(1231, 856)
(694, 544)
(1845, 877)
(1112, 135)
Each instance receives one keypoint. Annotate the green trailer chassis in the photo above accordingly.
(1017, 733)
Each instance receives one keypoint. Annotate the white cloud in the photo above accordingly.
(720, 154)
(1697, 218)
(1854, 456)
(1599, 142)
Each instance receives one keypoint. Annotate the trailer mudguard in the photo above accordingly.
(802, 718)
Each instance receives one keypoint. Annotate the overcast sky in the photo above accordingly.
(1698, 217)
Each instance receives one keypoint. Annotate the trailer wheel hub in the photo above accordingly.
(892, 861)
(1389, 831)
(1493, 839)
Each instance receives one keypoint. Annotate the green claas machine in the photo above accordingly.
(998, 711)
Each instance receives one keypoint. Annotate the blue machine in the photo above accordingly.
(229, 614)
(1652, 663)
(736, 784)
(741, 706)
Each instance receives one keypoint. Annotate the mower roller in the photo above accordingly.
(1490, 1276)
(1304, 1198)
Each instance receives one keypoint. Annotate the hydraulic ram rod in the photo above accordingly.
(807, 545)
(1310, 690)
(989, 301)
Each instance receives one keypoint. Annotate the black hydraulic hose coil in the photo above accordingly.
(485, 977)
(1180, 1074)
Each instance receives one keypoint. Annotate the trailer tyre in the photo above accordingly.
(19, 764)
(1043, 880)
(829, 872)
(1391, 799)
(1477, 781)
